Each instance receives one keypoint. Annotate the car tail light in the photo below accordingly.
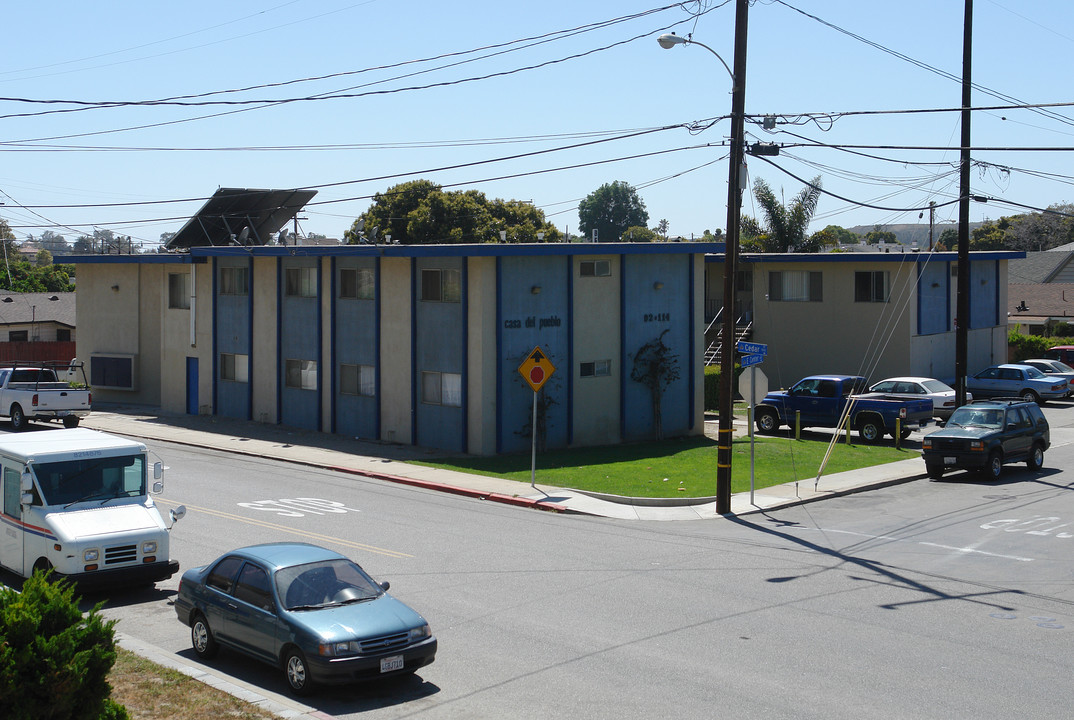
(34, 401)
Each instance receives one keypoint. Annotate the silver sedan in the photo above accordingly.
(943, 396)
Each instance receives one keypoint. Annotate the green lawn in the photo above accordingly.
(682, 467)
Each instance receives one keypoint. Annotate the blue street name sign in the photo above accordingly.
(747, 360)
(752, 348)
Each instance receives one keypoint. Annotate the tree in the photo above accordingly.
(785, 227)
(54, 661)
(639, 234)
(662, 229)
(420, 211)
(876, 236)
(610, 210)
(948, 240)
(43, 258)
(54, 243)
(842, 235)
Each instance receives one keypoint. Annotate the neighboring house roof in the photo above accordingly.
(1040, 302)
(37, 307)
(1041, 267)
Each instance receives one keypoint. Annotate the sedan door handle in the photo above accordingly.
(232, 606)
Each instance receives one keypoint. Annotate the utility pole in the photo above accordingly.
(962, 303)
(734, 203)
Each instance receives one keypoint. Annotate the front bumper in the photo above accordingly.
(966, 460)
(129, 575)
(338, 670)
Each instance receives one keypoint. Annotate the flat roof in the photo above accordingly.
(43, 443)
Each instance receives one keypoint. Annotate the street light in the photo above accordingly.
(734, 203)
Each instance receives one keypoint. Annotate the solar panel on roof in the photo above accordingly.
(231, 213)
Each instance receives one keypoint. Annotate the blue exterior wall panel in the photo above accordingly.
(529, 320)
(934, 298)
(649, 313)
(299, 339)
(439, 347)
(984, 293)
(355, 343)
(233, 328)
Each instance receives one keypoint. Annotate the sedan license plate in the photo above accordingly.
(949, 461)
(391, 664)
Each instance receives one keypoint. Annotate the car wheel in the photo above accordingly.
(1030, 396)
(934, 470)
(870, 431)
(1036, 457)
(18, 418)
(767, 421)
(994, 468)
(71, 421)
(298, 677)
(201, 638)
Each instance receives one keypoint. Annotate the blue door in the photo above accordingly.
(192, 386)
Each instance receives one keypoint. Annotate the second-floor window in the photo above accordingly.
(234, 281)
(356, 283)
(301, 282)
(871, 286)
(795, 286)
(179, 291)
(441, 285)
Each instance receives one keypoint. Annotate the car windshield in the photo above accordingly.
(329, 583)
(95, 478)
(1062, 367)
(935, 386)
(977, 417)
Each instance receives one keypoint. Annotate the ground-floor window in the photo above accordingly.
(235, 367)
(300, 374)
(357, 380)
(597, 368)
(441, 388)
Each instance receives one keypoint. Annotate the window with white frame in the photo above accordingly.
(235, 367)
(597, 368)
(356, 283)
(441, 388)
(300, 374)
(179, 291)
(300, 282)
(594, 268)
(441, 285)
(234, 281)
(871, 286)
(357, 380)
(795, 286)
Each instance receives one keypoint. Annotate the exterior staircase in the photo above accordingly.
(714, 337)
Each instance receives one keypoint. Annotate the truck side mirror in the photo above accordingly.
(27, 482)
(158, 487)
(158, 470)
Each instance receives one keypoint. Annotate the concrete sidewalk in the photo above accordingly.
(389, 462)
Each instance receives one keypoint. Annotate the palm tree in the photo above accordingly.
(785, 227)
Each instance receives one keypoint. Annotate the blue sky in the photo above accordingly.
(601, 82)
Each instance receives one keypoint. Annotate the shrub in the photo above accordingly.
(712, 386)
(54, 661)
(1023, 347)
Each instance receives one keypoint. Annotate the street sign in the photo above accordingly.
(753, 385)
(536, 369)
(749, 348)
(747, 360)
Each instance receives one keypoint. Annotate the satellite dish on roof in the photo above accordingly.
(360, 225)
(282, 240)
(244, 235)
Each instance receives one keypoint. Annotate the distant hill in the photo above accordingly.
(908, 233)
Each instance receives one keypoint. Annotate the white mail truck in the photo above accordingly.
(78, 502)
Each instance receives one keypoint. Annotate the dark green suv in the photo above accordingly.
(986, 434)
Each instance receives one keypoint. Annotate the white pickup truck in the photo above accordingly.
(44, 391)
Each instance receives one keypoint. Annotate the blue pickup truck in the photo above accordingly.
(821, 400)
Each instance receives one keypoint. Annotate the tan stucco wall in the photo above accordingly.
(179, 340)
(396, 372)
(597, 337)
(481, 356)
(263, 378)
(836, 335)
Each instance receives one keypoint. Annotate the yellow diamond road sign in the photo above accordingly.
(536, 369)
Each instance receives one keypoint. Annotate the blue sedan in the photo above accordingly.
(310, 611)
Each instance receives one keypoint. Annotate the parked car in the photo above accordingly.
(1063, 353)
(985, 435)
(310, 611)
(1013, 380)
(1055, 369)
(944, 397)
(820, 401)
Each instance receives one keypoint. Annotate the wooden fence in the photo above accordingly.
(37, 351)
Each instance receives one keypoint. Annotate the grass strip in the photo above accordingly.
(680, 467)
